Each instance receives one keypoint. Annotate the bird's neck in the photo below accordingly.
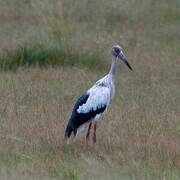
(113, 66)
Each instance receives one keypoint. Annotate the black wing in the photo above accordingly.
(77, 119)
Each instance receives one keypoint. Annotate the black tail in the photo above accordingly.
(68, 131)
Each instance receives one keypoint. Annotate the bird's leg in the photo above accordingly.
(88, 133)
(94, 135)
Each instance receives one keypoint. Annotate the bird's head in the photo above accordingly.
(117, 52)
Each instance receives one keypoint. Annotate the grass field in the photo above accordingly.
(52, 51)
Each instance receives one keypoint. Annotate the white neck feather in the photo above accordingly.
(113, 66)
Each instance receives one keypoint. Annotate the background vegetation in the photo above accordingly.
(52, 51)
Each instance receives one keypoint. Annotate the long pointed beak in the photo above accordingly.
(123, 58)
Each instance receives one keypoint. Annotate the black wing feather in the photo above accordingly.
(77, 119)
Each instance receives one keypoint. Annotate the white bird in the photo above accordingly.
(92, 104)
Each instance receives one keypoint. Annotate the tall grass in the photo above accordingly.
(54, 55)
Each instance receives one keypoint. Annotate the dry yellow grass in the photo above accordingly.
(138, 138)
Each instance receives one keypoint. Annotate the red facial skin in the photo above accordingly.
(117, 51)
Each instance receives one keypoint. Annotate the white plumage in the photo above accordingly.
(92, 105)
(99, 96)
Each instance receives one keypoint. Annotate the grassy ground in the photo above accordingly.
(138, 138)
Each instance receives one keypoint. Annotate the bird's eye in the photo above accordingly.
(117, 50)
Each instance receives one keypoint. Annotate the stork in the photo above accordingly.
(94, 102)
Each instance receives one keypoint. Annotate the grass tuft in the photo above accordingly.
(71, 173)
(54, 55)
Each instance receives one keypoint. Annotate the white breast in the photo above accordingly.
(99, 96)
